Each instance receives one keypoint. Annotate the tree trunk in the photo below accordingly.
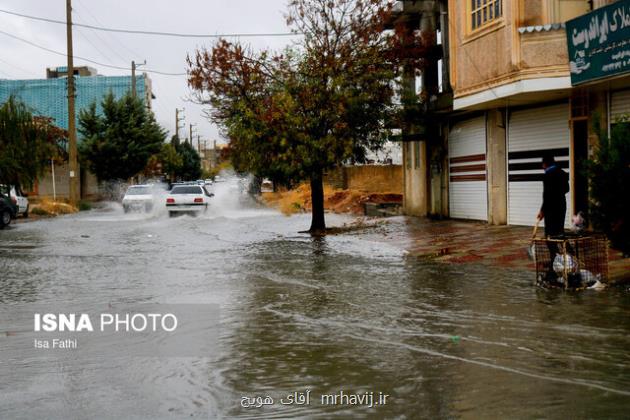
(318, 224)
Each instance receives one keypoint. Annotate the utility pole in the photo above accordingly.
(178, 119)
(133, 76)
(199, 144)
(191, 130)
(72, 131)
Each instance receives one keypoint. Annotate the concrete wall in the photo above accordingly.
(44, 186)
(371, 178)
(496, 161)
(543, 49)
(439, 176)
(415, 199)
(481, 55)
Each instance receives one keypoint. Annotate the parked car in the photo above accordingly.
(138, 198)
(8, 211)
(18, 197)
(191, 199)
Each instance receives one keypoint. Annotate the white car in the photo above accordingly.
(266, 185)
(192, 199)
(138, 198)
(18, 198)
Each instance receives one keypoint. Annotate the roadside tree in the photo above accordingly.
(117, 144)
(190, 168)
(171, 161)
(327, 100)
(27, 144)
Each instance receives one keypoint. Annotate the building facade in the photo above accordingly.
(514, 98)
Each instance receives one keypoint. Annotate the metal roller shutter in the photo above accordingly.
(531, 133)
(619, 104)
(468, 192)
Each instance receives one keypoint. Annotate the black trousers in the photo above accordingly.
(554, 220)
(554, 226)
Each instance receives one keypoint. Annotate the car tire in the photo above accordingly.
(171, 214)
(5, 219)
(25, 215)
(126, 210)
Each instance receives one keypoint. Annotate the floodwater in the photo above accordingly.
(344, 313)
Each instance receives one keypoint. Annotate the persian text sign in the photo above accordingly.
(599, 43)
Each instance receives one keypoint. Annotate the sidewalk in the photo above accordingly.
(459, 242)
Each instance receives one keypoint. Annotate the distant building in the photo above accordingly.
(211, 158)
(58, 72)
(48, 97)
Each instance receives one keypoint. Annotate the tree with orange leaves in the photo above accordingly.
(27, 144)
(291, 116)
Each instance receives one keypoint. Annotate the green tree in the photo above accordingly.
(118, 143)
(191, 162)
(27, 144)
(295, 115)
(609, 175)
(171, 161)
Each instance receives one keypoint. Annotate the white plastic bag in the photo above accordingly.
(563, 261)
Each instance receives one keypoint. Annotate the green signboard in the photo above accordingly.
(599, 43)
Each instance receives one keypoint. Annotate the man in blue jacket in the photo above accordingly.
(554, 206)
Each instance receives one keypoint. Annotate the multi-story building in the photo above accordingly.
(516, 94)
(48, 97)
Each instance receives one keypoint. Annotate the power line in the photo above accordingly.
(124, 60)
(18, 68)
(89, 41)
(158, 33)
(87, 59)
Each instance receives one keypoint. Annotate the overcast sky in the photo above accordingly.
(22, 61)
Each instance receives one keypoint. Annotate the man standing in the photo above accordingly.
(554, 206)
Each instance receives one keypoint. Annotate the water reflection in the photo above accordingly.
(344, 312)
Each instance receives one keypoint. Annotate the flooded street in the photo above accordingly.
(344, 313)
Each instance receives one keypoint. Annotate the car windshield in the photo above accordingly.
(187, 190)
(138, 191)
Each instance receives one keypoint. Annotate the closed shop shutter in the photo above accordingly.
(533, 132)
(619, 105)
(468, 191)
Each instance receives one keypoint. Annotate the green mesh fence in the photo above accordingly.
(48, 97)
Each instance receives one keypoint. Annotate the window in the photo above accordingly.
(484, 11)
(187, 190)
(138, 191)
